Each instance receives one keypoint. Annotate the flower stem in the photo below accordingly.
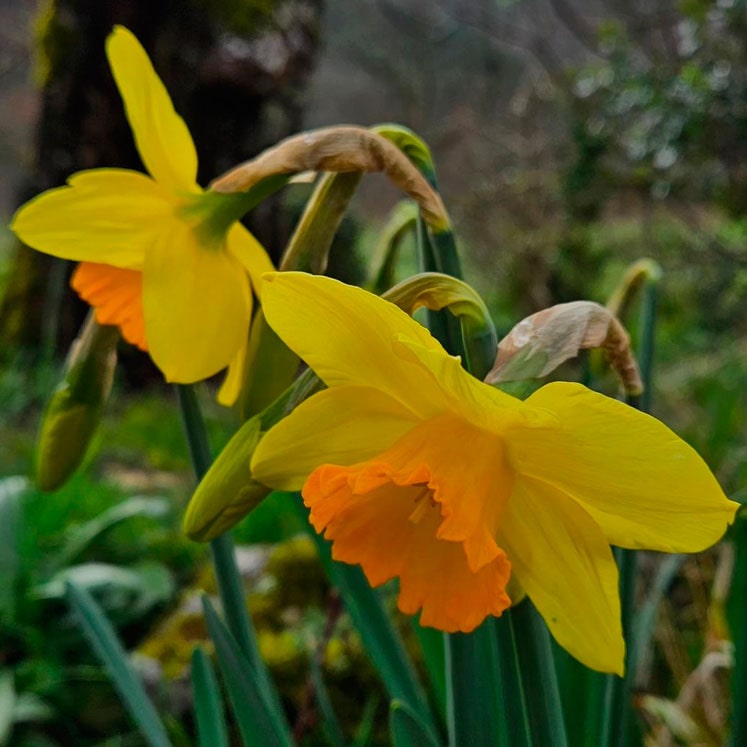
(542, 694)
(228, 577)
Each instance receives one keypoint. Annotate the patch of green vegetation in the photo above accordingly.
(242, 16)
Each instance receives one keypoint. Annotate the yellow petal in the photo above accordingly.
(564, 563)
(346, 335)
(482, 405)
(252, 255)
(104, 215)
(197, 306)
(643, 485)
(344, 425)
(231, 387)
(162, 138)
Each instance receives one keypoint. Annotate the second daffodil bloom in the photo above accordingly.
(417, 470)
(161, 258)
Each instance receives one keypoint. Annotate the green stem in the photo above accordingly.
(542, 694)
(476, 705)
(230, 584)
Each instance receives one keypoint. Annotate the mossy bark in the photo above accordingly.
(236, 70)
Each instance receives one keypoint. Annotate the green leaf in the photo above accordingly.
(330, 724)
(128, 593)
(81, 537)
(258, 719)
(407, 729)
(402, 222)
(644, 623)
(12, 490)
(211, 724)
(737, 617)
(365, 729)
(432, 644)
(109, 650)
(7, 705)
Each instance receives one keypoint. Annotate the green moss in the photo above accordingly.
(241, 16)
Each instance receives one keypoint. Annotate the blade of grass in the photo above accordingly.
(211, 723)
(109, 650)
(330, 724)
(255, 713)
(364, 732)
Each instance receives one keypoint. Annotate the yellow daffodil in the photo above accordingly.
(161, 258)
(419, 471)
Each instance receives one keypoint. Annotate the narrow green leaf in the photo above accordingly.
(7, 705)
(330, 724)
(109, 650)
(258, 719)
(81, 537)
(432, 645)
(12, 490)
(364, 732)
(402, 223)
(644, 623)
(211, 723)
(737, 616)
(407, 729)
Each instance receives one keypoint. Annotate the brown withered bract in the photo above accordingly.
(540, 343)
(338, 149)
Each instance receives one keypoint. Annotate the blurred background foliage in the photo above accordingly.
(571, 139)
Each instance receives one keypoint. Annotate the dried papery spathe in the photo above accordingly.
(537, 345)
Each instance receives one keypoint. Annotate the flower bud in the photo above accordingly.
(75, 407)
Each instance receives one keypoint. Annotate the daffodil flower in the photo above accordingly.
(417, 470)
(163, 259)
